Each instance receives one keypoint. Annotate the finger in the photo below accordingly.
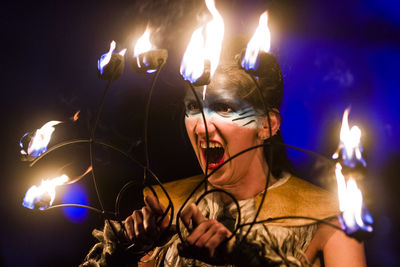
(149, 222)
(163, 224)
(157, 209)
(129, 227)
(220, 235)
(140, 234)
(187, 214)
(154, 205)
(211, 231)
(138, 223)
(201, 234)
(192, 213)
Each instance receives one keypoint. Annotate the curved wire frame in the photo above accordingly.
(147, 172)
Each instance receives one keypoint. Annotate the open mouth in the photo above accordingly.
(214, 153)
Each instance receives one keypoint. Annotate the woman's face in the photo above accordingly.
(232, 126)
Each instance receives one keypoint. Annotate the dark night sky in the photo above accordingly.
(333, 54)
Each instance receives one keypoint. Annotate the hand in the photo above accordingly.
(143, 226)
(206, 239)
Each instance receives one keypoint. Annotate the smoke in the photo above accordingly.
(170, 19)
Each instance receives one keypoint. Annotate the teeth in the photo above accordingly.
(211, 144)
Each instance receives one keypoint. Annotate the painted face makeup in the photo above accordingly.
(232, 123)
(225, 107)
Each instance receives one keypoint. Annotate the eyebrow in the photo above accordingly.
(211, 98)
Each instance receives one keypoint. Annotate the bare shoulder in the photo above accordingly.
(336, 248)
(341, 250)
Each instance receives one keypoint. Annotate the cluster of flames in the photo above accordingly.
(354, 216)
(42, 196)
(205, 47)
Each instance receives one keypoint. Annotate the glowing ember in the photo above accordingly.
(37, 144)
(105, 59)
(259, 42)
(202, 55)
(350, 148)
(76, 116)
(42, 197)
(354, 216)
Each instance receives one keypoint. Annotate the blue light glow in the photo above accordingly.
(76, 194)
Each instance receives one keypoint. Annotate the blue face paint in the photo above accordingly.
(225, 106)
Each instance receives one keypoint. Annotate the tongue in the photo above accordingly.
(214, 155)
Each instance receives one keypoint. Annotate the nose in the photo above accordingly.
(201, 129)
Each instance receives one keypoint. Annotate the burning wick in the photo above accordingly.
(111, 65)
(355, 219)
(256, 59)
(148, 58)
(41, 197)
(34, 144)
(202, 55)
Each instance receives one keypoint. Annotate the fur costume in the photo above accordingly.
(276, 243)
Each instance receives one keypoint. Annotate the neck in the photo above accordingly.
(252, 183)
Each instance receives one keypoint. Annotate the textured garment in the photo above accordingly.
(282, 242)
(281, 245)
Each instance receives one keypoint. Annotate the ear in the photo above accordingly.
(275, 120)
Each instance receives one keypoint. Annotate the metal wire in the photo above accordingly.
(103, 213)
(108, 215)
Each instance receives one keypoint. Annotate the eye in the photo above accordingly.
(192, 107)
(223, 108)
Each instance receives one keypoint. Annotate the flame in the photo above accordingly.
(43, 196)
(122, 52)
(89, 169)
(260, 41)
(105, 59)
(350, 144)
(214, 36)
(351, 203)
(76, 116)
(143, 44)
(38, 143)
(192, 65)
(201, 49)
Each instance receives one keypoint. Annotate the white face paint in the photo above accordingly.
(225, 108)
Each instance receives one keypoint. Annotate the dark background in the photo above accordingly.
(333, 54)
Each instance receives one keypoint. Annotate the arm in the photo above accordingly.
(336, 247)
(341, 250)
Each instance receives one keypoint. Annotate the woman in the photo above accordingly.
(236, 120)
